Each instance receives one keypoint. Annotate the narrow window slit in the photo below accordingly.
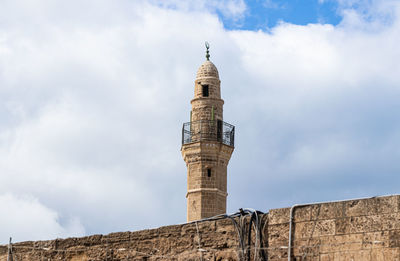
(205, 90)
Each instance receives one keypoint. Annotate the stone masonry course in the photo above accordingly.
(358, 230)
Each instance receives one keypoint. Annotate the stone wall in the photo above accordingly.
(364, 230)
(211, 240)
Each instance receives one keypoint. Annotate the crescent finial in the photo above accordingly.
(207, 51)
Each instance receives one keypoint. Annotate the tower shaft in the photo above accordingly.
(207, 145)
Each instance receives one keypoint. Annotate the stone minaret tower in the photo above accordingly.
(207, 146)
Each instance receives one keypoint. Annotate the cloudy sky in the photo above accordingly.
(93, 95)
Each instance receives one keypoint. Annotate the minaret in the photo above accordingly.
(207, 146)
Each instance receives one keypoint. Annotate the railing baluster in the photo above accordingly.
(206, 130)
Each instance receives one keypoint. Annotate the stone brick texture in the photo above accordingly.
(357, 230)
(207, 194)
(210, 240)
(206, 158)
(364, 230)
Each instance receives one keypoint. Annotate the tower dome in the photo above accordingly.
(207, 69)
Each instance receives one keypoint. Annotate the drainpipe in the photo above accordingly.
(316, 203)
(290, 231)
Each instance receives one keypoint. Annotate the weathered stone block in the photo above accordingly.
(356, 208)
(327, 211)
(394, 238)
(339, 243)
(391, 221)
(342, 226)
(279, 216)
(302, 213)
(365, 224)
(278, 233)
(376, 240)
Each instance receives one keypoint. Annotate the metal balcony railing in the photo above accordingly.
(215, 130)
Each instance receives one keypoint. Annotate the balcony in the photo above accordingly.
(205, 130)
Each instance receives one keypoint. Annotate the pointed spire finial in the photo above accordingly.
(207, 52)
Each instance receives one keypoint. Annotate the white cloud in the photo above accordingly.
(370, 13)
(91, 107)
(324, 100)
(273, 4)
(230, 9)
(25, 218)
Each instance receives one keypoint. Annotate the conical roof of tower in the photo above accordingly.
(207, 69)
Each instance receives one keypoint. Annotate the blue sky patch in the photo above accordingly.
(263, 14)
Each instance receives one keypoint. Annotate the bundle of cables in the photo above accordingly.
(257, 223)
